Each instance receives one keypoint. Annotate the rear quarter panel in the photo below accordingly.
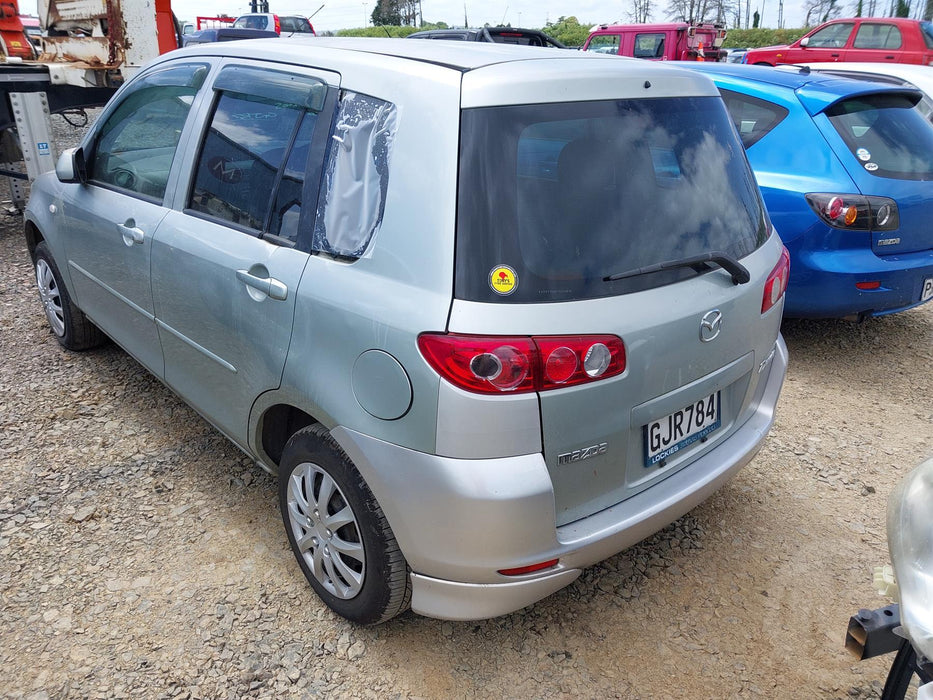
(403, 283)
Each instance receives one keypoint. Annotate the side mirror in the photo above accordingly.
(70, 166)
(804, 42)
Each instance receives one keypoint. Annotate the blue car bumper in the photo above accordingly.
(823, 283)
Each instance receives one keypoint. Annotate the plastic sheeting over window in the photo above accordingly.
(356, 176)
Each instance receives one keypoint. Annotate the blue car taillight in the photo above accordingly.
(855, 211)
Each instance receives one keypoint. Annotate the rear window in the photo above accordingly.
(558, 196)
(521, 38)
(888, 134)
(251, 22)
(296, 24)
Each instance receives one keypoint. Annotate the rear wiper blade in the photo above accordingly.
(738, 271)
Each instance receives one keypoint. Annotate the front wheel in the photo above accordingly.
(68, 323)
(338, 532)
(905, 675)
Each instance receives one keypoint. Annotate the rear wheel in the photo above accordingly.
(68, 323)
(338, 532)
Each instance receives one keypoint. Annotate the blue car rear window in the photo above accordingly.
(888, 134)
(566, 194)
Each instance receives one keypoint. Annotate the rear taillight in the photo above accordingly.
(776, 284)
(855, 212)
(517, 364)
(278, 25)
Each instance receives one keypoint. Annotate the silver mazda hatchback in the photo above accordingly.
(492, 314)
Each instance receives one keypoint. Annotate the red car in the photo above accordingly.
(872, 39)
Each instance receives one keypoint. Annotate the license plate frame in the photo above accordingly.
(926, 291)
(671, 428)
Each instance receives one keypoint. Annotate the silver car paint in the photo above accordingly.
(461, 516)
(475, 516)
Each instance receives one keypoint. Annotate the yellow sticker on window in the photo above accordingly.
(503, 280)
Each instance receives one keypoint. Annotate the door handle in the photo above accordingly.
(889, 58)
(834, 55)
(271, 287)
(131, 234)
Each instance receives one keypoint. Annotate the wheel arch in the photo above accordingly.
(33, 237)
(275, 420)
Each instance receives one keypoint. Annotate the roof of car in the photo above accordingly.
(487, 74)
(648, 27)
(903, 21)
(452, 54)
(816, 91)
(905, 71)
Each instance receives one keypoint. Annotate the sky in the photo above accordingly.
(342, 14)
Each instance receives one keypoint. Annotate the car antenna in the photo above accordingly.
(805, 70)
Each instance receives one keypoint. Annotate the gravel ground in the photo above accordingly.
(141, 555)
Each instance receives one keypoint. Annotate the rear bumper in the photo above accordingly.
(822, 284)
(459, 521)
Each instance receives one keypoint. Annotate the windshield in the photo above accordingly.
(888, 133)
(559, 196)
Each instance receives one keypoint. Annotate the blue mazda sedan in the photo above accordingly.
(846, 170)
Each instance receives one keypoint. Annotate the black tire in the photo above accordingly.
(365, 587)
(67, 322)
(903, 671)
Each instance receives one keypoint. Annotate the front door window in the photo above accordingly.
(135, 147)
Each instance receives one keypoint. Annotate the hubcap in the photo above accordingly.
(326, 531)
(51, 297)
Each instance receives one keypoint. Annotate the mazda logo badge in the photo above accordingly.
(710, 325)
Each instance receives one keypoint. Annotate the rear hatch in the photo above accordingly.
(886, 145)
(566, 211)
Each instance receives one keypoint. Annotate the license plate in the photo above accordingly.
(669, 435)
(927, 292)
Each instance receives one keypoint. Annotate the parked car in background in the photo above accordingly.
(677, 41)
(467, 398)
(498, 35)
(734, 56)
(213, 34)
(865, 39)
(920, 77)
(845, 169)
(280, 24)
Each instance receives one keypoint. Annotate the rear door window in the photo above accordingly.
(567, 194)
(888, 135)
(753, 117)
(874, 35)
(252, 165)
